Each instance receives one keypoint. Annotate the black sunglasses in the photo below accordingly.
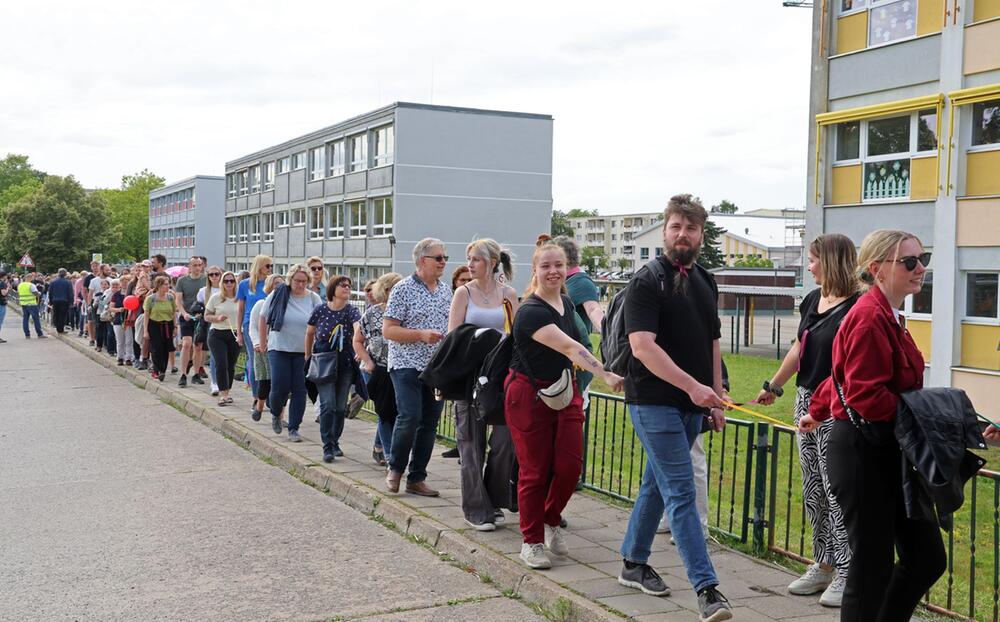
(437, 258)
(214, 274)
(910, 263)
(316, 268)
(268, 266)
(228, 280)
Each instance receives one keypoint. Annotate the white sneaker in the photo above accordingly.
(664, 526)
(555, 542)
(814, 580)
(481, 526)
(834, 593)
(534, 556)
(215, 389)
(499, 518)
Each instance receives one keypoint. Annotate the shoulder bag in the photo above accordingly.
(875, 433)
(323, 365)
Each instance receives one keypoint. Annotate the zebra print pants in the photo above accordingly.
(829, 536)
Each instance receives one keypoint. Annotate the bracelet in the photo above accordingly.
(774, 389)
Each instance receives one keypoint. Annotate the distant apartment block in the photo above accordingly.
(362, 192)
(613, 233)
(185, 219)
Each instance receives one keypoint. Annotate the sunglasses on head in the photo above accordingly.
(437, 258)
(910, 263)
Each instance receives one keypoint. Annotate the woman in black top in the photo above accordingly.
(548, 443)
(833, 264)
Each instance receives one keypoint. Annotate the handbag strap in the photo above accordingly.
(856, 419)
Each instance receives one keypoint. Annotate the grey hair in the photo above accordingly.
(62, 273)
(571, 249)
(425, 245)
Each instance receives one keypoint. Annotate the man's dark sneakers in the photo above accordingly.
(713, 606)
(276, 424)
(254, 413)
(183, 382)
(196, 379)
(642, 577)
(450, 453)
(43, 337)
(328, 457)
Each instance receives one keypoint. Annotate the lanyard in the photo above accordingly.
(755, 414)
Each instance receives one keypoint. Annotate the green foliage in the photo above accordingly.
(128, 215)
(592, 257)
(57, 223)
(560, 224)
(624, 263)
(576, 212)
(711, 256)
(724, 207)
(14, 171)
(752, 262)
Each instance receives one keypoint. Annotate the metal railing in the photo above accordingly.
(755, 497)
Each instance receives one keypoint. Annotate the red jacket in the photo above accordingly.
(874, 360)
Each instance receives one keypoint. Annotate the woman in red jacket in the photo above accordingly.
(874, 361)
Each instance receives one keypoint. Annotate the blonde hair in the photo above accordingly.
(295, 269)
(543, 247)
(255, 268)
(880, 245)
(322, 274)
(269, 284)
(384, 284)
(838, 261)
(208, 281)
(222, 286)
(499, 258)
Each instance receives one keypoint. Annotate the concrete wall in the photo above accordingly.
(887, 67)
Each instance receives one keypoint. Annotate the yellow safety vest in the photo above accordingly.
(25, 296)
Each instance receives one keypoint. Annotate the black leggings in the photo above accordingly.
(161, 343)
(224, 348)
(867, 482)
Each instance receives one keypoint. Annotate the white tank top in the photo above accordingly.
(484, 317)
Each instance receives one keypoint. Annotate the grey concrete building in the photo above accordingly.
(362, 192)
(185, 219)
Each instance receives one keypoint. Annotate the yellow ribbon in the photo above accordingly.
(756, 414)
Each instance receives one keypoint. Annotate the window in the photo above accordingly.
(643, 252)
(383, 145)
(298, 160)
(268, 226)
(336, 220)
(922, 300)
(241, 228)
(359, 152)
(614, 236)
(253, 224)
(298, 216)
(268, 175)
(231, 230)
(231, 185)
(282, 218)
(927, 130)
(359, 219)
(891, 21)
(889, 136)
(284, 164)
(659, 251)
(317, 163)
(986, 123)
(981, 295)
(382, 216)
(317, 222)
(255, 178)
(850, 6)
(337, 158)
(243, 182)
(848, 140)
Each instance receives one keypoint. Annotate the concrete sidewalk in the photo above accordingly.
(587, 579)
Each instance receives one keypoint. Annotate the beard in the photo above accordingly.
(683, 256)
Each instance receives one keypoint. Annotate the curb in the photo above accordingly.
(492, 566)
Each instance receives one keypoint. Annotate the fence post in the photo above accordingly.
(778, 341)
(762, 449)
(586, 436)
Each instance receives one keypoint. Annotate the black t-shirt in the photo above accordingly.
(86, 282)
(543, 362)
(816, 351)
(686, 323)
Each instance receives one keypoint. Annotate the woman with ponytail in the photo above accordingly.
(486, 302)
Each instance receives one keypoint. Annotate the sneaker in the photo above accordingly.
(202, 373)
(328, 457)
(534, 556)
(643, 577)
(143, 365)
(155, 375)
(834, 593)
(450, 453)
(196, 379)
(713, 606)
(163, 377)
(555, 542)
(814, 580)
(254, 413)
(215, 389)
(354, 406)
(276, 424)
(121, 363)
(337, 452)
(293, 436)
(183, 382)
(174, 370)
(481, 526)
(563, 523)
(499, 518)
(664, 526)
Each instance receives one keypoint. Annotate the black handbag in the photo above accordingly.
(875, 433)
(323, 367)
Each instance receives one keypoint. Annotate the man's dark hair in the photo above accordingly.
(688, 207)
(161, 259)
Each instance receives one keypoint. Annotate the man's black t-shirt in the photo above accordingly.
(542, 361)
(86, 281)
(816, 351)
(686, 323)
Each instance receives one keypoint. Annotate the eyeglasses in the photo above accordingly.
(268, 266)
(300, 281)
(214, 274)
(437, 258)
(910, 263)
(344, 284)
(228, 280)
(316, 268)
(368, 291)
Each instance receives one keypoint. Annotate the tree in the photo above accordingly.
(593, 257)
(724, 207)
(711, 256)
(15, 170)
(624, 263)
(576, 212)
(57, 223)
(560, 224)
(128, 215)
(752, 261)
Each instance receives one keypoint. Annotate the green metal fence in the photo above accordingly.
(755, 496)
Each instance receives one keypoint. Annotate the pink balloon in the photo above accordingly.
(131, 302)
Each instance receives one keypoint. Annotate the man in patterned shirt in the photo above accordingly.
(416, 317)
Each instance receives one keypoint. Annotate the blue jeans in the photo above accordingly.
(288, 377)
(30, 311)
(333, 409)
(248, 348)
(3, 314)
(667, 433)
(378, 433)
(416, 424)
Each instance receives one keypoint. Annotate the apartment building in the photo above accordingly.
(614, 234)
(905, 134)
(185, 219)
(362, 192)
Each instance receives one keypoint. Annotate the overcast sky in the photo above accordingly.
(649, 98)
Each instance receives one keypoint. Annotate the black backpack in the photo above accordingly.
(615, 349)
(488, 389)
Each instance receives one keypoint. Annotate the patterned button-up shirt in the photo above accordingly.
(415, 306)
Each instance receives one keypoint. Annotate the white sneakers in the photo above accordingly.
(534, 556)
(664, 526)
(814, 580)
(555, 541)
(834, 593)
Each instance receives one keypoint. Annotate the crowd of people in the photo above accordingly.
(304, 338)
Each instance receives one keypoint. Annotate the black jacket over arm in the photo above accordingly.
(453, 368)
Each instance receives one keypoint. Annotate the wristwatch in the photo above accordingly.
(773, 388)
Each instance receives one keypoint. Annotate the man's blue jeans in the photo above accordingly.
(288, 377)
(3, 314)
(416, 424)
(248, 367)
(667, 433)
(30, 311)
(333, 408)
